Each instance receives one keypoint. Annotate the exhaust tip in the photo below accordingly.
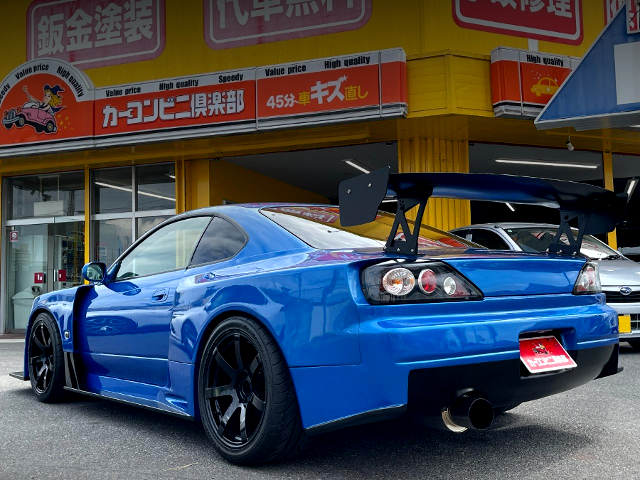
(468, 412)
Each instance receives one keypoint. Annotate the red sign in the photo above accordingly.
(96, 33)
(238, 23)
(322, 91)
(611, 8)
(13, 236)
(52, 101)
(62, 275)
(224, 100)
(553, 20)
(45, 101)
(544, 354)
(38, 277)
(633, 17)
(523, 82)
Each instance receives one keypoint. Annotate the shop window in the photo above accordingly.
(44, 246)
(127, 203)
(49, 195)
(626, 173)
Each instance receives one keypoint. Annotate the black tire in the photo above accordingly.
(50, 127)
(46, 363)
(21, 121)
(635, 344)
(8, 126)
(250, 413)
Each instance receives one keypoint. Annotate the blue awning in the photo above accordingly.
(603, 91)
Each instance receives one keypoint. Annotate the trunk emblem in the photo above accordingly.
(625, 290)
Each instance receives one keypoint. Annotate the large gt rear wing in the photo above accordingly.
(595, 209)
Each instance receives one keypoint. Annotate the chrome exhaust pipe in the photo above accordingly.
(468, 412)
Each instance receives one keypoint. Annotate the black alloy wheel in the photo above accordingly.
(236, 390)
(246, 397)
(46, 365)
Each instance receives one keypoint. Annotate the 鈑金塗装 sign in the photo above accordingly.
(95, 33)
(51, 102)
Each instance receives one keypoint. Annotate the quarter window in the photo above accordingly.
(221, 240)
(169, 248)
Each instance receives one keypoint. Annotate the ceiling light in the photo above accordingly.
(570, 146)
(632, 183)
(390, 200)
(354, 164)
(511, 207)
(125, 189)
(545, 164)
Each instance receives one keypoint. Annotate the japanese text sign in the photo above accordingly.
(96, 33)
(320, 91)
(522, 82)
(53, 101)
(553, 20)
(225, 100)
(236, 23)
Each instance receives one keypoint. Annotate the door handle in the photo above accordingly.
(159, 295)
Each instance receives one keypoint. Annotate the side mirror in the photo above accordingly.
(94, 272)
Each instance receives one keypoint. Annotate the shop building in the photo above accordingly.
(117, 115)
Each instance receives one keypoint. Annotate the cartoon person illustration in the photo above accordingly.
(41, 115)
(51, 99)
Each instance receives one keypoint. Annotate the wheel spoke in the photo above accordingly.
(43, 368)
(238, 355)
(42, 334)
(227, 415)
(34, 360)
(243, 422)
(215, 392)
(39, 344)
(229, 370)
(254, 365)
(258, 403)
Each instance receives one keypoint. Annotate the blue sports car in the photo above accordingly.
(270, 323)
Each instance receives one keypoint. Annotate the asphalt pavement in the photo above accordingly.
(590, 432)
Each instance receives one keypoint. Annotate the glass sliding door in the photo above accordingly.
(43, 240)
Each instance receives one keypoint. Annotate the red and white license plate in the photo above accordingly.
(544, 354)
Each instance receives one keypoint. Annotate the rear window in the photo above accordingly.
(320, 228)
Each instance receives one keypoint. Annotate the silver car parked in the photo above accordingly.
(620, 276)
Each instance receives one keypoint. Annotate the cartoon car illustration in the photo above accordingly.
(545, 86)
(540, 349)
(29, 113)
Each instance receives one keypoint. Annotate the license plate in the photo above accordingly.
(544, 354)
(624, 323)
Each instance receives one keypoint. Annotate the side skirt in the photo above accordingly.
(378, 415)
(130, 403)
(19, 376)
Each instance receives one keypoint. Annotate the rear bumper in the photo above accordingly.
(505, 383)
(425, 356)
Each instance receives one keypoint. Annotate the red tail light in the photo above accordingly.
(397, 282)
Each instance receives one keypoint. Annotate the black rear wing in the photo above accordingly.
(596, 209)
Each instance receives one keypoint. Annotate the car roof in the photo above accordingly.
(507, 225)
